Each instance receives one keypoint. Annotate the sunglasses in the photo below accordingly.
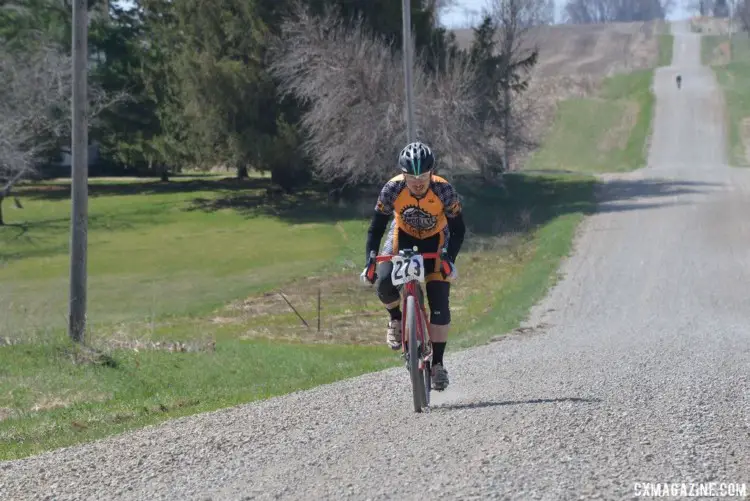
(425, 176)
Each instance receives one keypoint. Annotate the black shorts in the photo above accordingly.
(437, 288)
(430, 244)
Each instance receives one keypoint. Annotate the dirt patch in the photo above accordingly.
(170, 346)
(616, 138)
(66, 399)
(6, 413)
(350, 313)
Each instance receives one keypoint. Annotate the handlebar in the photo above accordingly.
(405, 253)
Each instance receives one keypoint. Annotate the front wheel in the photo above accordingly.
(417, 381)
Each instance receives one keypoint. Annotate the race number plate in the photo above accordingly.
(407, 269)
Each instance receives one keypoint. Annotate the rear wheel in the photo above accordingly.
(417, 380)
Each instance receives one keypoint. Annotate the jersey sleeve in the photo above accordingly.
(451, 201)
(387, 198)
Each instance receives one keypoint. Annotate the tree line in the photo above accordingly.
(301, 89)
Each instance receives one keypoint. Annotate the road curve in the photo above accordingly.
(639, 370)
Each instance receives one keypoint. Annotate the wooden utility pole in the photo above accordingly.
(79, 175)
(411, 128)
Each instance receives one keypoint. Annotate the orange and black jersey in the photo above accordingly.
(434, 216)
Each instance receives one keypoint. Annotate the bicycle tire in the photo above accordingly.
(417, 381)
(424, 350)
(427, 372)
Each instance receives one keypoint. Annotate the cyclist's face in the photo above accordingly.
(418, 185)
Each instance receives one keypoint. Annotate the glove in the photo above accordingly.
(447, 268)
(368, 275)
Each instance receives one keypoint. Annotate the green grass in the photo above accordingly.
(606, 133)
(153, 254)
(733, 76)
(51, 398)
(147, 387)
(666, 46)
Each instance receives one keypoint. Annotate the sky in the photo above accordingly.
(468, 12)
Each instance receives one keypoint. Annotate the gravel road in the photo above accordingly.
(639, 370)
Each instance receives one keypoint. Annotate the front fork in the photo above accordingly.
(426, 358)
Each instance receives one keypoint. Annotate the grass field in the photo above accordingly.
(731, 63)
(162, 250)
(606, 133)
(666, 46)
(195, 262)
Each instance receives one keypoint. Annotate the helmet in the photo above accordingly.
(416, 158)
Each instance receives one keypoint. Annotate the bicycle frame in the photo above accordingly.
(414, 288)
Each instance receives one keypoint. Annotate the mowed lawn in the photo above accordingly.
(200, 262)
(153, 253)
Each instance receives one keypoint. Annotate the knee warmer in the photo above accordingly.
(387, 292)
(438, 294)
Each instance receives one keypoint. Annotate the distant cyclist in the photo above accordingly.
(427, 213)
(679, 81)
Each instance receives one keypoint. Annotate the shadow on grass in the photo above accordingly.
(525, 200)
(57, 191)
(481, 405)
(528, 201)
(20, 229)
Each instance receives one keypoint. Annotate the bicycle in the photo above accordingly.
(407, 276)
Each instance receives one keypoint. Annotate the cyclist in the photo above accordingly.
(427, 213)
(679, 81)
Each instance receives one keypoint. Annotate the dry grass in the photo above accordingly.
(350, 312)
(65, 398)
(597, 50)
(709, 25)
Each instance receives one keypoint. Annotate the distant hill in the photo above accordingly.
(590, 49)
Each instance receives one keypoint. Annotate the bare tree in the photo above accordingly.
(699, 6)
(35, 93)
(352, 85)
(741, 14)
